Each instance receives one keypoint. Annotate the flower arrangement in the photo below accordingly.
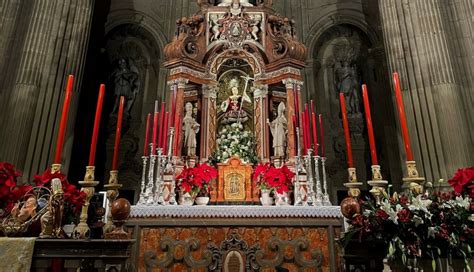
(432, 225)
(197, 180)
(268, 177)
(10, 191)
(233, 140)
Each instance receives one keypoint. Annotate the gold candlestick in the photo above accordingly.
(353, 185)
(112, 194)
(55, 168)
(82, 230)
(350, 205)
(378, 184)
(413, 181)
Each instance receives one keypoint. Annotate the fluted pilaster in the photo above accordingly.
(55, 46)
(416, 43)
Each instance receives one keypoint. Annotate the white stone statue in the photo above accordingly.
(190, 128)
(279, 129)
(233, 3)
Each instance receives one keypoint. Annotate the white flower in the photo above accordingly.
(463, 202)
(417, 220)
(386, 207)
(420, 204)
(224, 130)
(432, 232)
(225, 154)
(240, 126)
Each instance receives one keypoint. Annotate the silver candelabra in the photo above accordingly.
(319, 193)
(310, 200)
(142, 198)
(326, 201)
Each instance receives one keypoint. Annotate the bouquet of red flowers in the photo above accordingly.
(268, 177)
(197, 180)
(10, 191)
(463, 181)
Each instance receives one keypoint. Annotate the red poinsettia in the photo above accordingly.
(197, 179)
(462, 181)
(72, 195)
(269, 177)
(10, 191)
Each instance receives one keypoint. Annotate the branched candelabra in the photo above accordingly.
(319, 192)
(309, 179)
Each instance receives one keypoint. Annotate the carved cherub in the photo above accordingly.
(215, 27)
(256, 26)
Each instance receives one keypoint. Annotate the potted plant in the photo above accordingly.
(195, 182)
(428, 230)
(269, 178)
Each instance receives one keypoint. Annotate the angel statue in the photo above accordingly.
(190, 128)
(346, 82)
(279, 129)
(126, 83)
(232, 106)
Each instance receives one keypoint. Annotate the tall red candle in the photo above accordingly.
(162, 120)
(147, 133)
(173, 105)
(321, 130)
(294, 131)
(403, 118)
(155, 129)
(307, 124)
(118, 133)
(347, 134)
(165, 138)
(177, 126)
(370, 129)
(63, 123)
(95, 131)
(296, 97)
(315, 134)
(303, 132)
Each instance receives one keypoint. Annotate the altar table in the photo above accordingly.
(235, 238)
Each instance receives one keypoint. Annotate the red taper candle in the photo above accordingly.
(403, 118)
(321, 130)
(165, 134)
(308, 125)
(118, 133)
(155, 129)
(147, 133)
(315, 134)
(177, 133)
(295, 137)
(173, 105)
(303, 132)
(347, 133)
(162, 123)
(63, 123)
(296, 97)
(95, 131)
(370, 129)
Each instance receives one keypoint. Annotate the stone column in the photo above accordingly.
(290, 111)
(8, 24)
(208, 121)
(56, 36)
(416, 44)
(260, 108)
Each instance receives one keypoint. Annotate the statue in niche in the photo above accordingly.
(232, 106)
(347, 82)
(190, 128)
(234, 3)
(279, 129)
(126, 83)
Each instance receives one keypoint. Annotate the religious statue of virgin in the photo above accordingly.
(232, 106)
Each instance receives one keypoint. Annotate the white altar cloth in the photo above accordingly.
(230, 211)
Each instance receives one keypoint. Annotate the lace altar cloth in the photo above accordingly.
(236, 211)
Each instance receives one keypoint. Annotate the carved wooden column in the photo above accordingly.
(439, 130)
(290, 111)
(180, 83)
(260, 97)
(208, 121)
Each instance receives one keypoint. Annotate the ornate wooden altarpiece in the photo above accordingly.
(251, 45)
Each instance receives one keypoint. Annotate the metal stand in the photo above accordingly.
(319, 192)
(297, 189)
(158, 199)
(142, 198)
(311, 201)
(326, 201)
(149, 189)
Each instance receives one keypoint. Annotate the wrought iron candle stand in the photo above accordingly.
(82, 230)
(326, 200)
(311, 200)
(112, 193)
(143, 185)
(319, 192)
(298, 166)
